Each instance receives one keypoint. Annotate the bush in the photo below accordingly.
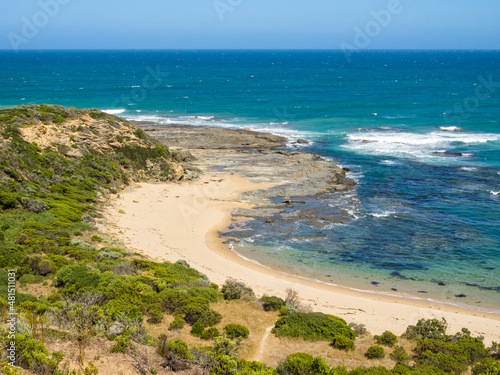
(375, 352)
(177, 323)
(272, 303)
(304, 364)
(312, 326)
(487, 366)
(209, 294)
(232, 290)
(235, 331)
(342, 343)
(8, 200)
(96, 238)
(210, 333)
(180, 349)
(359, 329)
(400, 356)
(155, 315)
(427, 329)
(197, 309)
(387, 338)
(121, 346)
(36, 206)
(109, 254)
(197, 329)
(82, 245)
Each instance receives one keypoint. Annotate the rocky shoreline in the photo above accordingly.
(262, 157)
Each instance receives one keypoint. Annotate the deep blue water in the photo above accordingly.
(426, 212)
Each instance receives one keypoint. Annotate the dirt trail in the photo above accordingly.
(260, 353)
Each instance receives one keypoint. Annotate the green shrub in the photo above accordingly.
(342, 343)
(375, 352)
(209, 294)
(180, 349)
(232, 290)
(442, 361)
(198, 310)
(155, 315)
(387, 338)
(121, 346)
(427, 329)
(197, 329)
(77, 275)
(487, 366)
(236, 331)
(304, 364)
(178, 323)
(272, 303)
(96, 238)
(33, 355)
(210, 333)
(400, 356)
(8, 200)
(312, 326)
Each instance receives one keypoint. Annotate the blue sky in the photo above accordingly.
(250, 24)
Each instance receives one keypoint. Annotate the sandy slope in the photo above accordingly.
(181, 221)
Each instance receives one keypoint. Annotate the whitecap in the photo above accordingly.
(469, 169)
(382, 214)
(113, 111)
(389, 162)
(450, 129)
(494, 192)
(405, 144)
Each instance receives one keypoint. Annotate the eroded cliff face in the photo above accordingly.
(75, 133)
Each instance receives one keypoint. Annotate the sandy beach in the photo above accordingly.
(168, 222)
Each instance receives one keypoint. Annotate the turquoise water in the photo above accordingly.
(425, 217)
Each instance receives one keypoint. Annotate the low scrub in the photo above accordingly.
(312, 327)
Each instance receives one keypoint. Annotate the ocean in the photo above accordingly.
(420, 131)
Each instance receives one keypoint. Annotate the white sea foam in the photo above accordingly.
(494, 192)
(469, 169)
(405, 144)
(382, 214)
(450, 129)
(113, 111)
(389, 162)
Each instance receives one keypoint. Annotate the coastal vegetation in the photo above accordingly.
(77, 289)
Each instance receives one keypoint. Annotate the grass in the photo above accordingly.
(255, 319)
(277, 349)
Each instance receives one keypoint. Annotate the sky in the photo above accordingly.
(250, 24)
